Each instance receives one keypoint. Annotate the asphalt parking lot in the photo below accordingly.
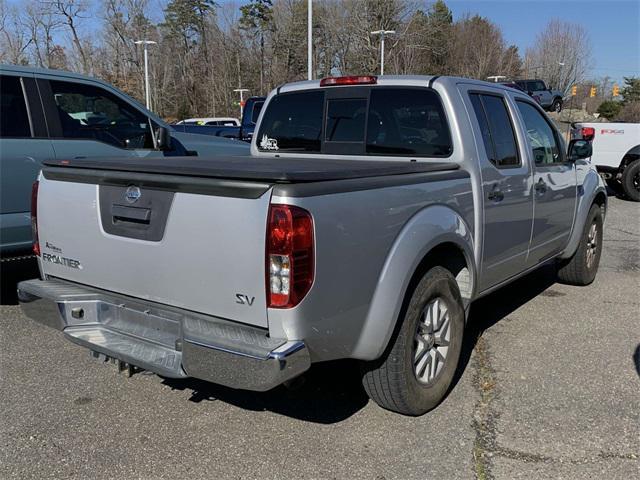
(549, 388)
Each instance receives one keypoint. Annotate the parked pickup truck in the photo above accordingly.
(551, 100)
(370, 216)
(616, 154)
(243, 132)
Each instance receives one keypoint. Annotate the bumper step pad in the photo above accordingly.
(147, 355)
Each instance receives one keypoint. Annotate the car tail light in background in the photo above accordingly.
(588, 133)
(34, 217)
(352, 80)
(289, 255)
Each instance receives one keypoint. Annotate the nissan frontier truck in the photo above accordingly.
(371, 214)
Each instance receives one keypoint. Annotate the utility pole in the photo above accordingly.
(241, 90)
(147, 94)
(382, 33)
(309, 40)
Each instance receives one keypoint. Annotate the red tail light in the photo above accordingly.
(588, 133)
(352, 80)
(34, 218)
(289, 255)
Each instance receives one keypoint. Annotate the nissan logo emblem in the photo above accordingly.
(132, 194)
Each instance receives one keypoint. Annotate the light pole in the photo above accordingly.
(146, 69)
(382, 33)
(309, 40)
(241, 91)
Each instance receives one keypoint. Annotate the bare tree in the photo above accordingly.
(42, 24)
(561, 55)
(72, 12)
(15, 41)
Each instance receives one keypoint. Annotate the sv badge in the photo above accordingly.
(244, 299)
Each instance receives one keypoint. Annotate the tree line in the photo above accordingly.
(205, 50)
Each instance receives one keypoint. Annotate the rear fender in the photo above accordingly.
(430, 227)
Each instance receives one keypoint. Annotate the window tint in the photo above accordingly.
(293, 123)
(497, 129)
(14, 120)
(91, 112)
(407, 122)
(345, 120)
(257, 107)
(541, 137)
(484, 126)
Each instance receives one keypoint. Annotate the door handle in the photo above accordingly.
(541, 186)
(496, 195)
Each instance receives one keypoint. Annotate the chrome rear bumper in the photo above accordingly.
(168, 341)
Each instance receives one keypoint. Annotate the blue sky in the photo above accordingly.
(614, 27)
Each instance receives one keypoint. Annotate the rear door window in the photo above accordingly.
(497, 131)
(14, 119)
(293, 123)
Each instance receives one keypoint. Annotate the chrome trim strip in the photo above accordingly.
(225, 350)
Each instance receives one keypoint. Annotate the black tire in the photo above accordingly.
(556, 106)
(631, 181)
(391, 381)
(581, 269)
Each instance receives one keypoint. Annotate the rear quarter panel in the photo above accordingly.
(353, 304)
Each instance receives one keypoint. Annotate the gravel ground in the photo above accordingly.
(549, 387)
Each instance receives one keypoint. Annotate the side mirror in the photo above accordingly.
(163, 139)
(579, 149)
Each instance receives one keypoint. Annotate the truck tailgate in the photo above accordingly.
(159, 241)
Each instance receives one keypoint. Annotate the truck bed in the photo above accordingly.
(259, 169)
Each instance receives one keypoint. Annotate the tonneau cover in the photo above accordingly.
(265, 169)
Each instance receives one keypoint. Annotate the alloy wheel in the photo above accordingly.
(431, 341)
(592, 244)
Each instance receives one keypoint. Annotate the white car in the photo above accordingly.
(213, 121)
(616, 154)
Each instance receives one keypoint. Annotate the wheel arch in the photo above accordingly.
(631, 156)
(594, 192)
(436, 236)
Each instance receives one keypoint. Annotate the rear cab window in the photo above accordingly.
(380, 121)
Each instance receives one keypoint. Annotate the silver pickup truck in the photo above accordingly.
(370, 216)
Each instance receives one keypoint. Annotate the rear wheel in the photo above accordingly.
(581, 269)
(415, 373)
(631, 181)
